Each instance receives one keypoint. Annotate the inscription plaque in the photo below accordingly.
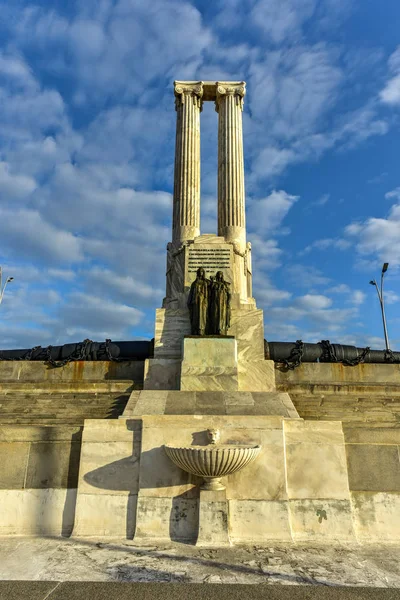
(211, 257)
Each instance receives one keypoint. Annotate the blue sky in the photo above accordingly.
(87, 128)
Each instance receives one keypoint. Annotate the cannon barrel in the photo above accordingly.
(326, 352)
(286, 352)
(87, 350)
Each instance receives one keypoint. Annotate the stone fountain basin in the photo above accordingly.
(213, 461)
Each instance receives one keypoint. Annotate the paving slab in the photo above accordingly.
(108, 560)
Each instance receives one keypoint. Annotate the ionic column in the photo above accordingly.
(186, 211)
(231, 200)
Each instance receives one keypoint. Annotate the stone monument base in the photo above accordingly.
(209, 363)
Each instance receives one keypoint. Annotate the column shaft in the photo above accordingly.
(231, 194)
(186, 210)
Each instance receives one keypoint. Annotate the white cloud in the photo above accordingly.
(357, 297)
(327, 243)
(313, 302)
(266, 214)
(13, 185)
(390, 94)
(26, 233)
(378, 237)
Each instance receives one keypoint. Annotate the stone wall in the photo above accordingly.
(23, 370)
(38, 479)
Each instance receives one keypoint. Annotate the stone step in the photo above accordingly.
(357, 388)
(68, 387)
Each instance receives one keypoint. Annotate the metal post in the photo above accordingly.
(382, 303)
(384, 269)
(2, 290)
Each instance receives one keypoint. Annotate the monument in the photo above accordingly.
(216, 444)
(220, 300)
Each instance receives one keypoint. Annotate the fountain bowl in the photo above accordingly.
(213, 461)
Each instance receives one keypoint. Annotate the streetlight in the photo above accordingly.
(2, 289)
(380, 296)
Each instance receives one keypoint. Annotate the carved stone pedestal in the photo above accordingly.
(209, 363)
(213, 519)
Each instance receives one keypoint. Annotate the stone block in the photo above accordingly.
(314, 432)
(376, 516)
(109, 468)
(180, 403)
(336, 373)
(109, 430)
(37, 512)
(159, 476)
(13, 464)
(209, 379)
(371, 435)
(258, 521)
(213, 519)
(38, 371)
(256, 376)
(209, 363)
(53, 465)
(209, 351)
(162, 374)
(315, 468)
(373, 468)
(170, 328)
(264, 478)
(105, 515)
(248, 328)
(147, 402)
(34, 433)
(165, 519)
(321, 520)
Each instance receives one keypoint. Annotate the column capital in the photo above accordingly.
(188, 89)
(230, 88)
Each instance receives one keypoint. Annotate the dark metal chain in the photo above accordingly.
(360, 358)
(295, 356)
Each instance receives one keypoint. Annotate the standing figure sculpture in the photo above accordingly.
(198, 303)
(220, 305)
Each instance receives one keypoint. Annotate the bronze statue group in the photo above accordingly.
(209, 304)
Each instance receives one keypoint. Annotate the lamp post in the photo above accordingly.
(381, 301)
(3, 288)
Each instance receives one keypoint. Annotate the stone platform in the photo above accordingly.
(76, 569)
(149, 402)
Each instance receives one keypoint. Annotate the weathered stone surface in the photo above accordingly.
(162, 374)
(110, 468)
(376, 516)
(248, 328)
(321, 520)
(315, 460)
(170, 328)
(37, 512)
(213, 519)
(212, 402)
(166, 518)
(13, 464)
(257, 376)
(53, 465)
(209, 363)
(25, 370)
(108, 478)
(336, 373)
(209, 379)
(373, 468)
(100, 515)
(257, 521)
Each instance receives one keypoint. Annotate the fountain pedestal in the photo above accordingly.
(213, 519)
